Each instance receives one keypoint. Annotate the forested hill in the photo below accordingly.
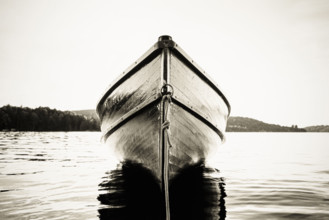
(242, 124)
(44, 119)
(319, 128)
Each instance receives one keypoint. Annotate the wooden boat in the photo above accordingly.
(163, 112)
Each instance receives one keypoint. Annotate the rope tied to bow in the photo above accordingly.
(167, 92)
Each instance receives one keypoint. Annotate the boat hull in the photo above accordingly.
(163, 112)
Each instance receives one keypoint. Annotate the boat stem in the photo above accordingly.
(166, 93)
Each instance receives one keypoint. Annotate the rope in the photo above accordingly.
(167, 92)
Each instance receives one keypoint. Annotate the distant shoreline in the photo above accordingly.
(14, 118)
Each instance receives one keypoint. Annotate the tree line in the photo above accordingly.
(44, 119)
(243, 124)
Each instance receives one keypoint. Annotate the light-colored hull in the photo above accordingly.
(163, 112)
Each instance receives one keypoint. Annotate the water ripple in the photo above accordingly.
(55, 175)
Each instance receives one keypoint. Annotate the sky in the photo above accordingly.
(269, 57)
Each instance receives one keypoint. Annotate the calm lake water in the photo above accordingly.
(59, 175)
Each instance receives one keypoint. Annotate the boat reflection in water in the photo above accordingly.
(133, 192)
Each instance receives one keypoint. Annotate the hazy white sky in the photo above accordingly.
(270, 57)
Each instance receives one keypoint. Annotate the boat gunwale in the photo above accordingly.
(147, 57)
(189, 62)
